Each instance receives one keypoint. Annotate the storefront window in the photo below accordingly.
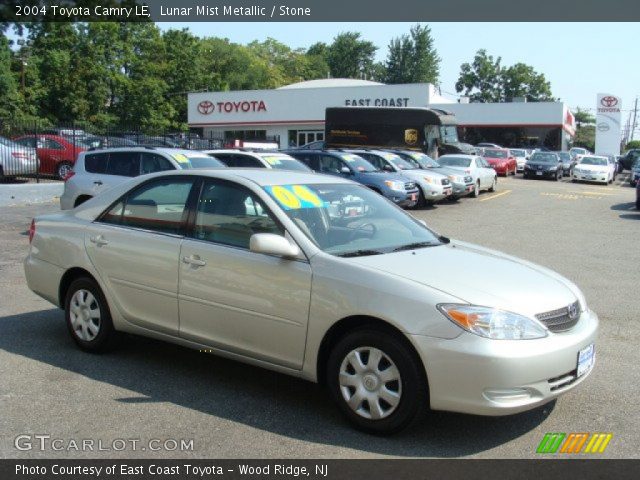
(524, 137)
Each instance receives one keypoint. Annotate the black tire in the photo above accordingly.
(476, 190)
(638, 204)
(422, 201)
(62, 168)
(414, 399)
(493, 185)
(107, 337)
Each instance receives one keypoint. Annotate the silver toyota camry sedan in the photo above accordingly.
(317, 277)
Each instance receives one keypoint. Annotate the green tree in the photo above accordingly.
(632, 144)
(9, 98)
(351, 57)
(521, 80)
(583, 117)
(486, 80)
(413, 58)
(481, 79)
(585, 137)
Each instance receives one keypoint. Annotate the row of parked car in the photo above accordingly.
(408, 178)
(55, 152)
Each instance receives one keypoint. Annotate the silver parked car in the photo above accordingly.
(16, 159)
(317, 277)
(483, 175)
(98, 170)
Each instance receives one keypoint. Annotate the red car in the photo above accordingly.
(57, 154)
(501, 160)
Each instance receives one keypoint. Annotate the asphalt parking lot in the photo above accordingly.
(151, 390)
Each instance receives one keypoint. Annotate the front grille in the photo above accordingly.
(562, 318)
(409, 186)
(445, 181)
(563, 381)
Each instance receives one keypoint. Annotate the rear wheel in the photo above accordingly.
(422, 201)
(88, 317)
(62, 169)
(493, 184)
(377, 380)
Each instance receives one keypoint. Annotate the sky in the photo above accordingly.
(579, 59)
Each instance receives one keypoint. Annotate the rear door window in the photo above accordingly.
(247, 161)
(96, 162)
(152, 162)
(124, 164)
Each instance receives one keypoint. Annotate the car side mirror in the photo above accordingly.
(345, 170)
(387, 168)
(272, 244)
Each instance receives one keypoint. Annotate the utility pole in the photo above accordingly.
(635, 112)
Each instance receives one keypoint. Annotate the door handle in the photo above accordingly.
(194, 260)
(97, 183)
(99, 240)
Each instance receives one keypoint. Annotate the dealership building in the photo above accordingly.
(294, 115)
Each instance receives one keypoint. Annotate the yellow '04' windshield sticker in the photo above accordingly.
(273, 160)
(180, 158)
(294, 197)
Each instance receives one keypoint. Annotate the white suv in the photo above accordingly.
(243, 158)
(98, 170)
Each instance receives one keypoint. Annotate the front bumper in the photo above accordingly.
(590, 177)
(472, 374)
(407, 198)
(433, 192)
(462, 189)
(545, 173)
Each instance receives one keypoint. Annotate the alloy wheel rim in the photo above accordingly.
(63, 170)
(370, 383)
(84, 312)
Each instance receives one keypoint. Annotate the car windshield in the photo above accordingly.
(449, 133)
(347, 220)
(577, 151)
(564, 156)
(544, 158)
(495, 153)
(399, 162)
(519, 153)
(425, 161)
(593, 161)
(189, 160)
(357, 163)
(282, 162)
(454, 161)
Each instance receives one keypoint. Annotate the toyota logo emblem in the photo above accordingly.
(609, 101)
(205, 107)
(573, 311)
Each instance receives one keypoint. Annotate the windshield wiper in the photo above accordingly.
(360, 253)
(411, 246)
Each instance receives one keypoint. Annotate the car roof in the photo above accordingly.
(142, 148)
(459, 155)
(259, 176)
(246, 152)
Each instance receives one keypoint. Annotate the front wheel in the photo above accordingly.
(377, 381)
(87, 316)
(493, 184)
(476, 189)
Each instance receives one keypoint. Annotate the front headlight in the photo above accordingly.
(455, 179)
(394, 185)
(492, 323)
(553, 169)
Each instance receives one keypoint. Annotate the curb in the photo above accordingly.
(27, 193)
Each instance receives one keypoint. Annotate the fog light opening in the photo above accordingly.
(509, 395)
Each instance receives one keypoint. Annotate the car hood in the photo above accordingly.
(379, 177)
(493, 160)
(545, 166)
(419, 174)
(449, 171)
(479, 276)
